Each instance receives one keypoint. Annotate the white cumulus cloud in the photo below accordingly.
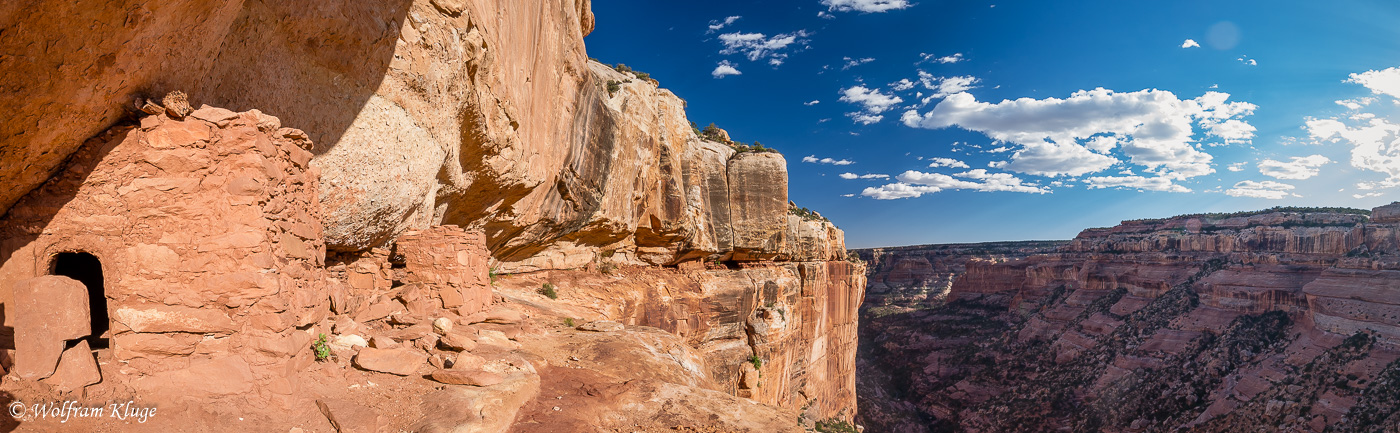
(947, 162)
(813, 159)
(1152, 128)
(1190, 43)
(867, 6)
(1382, 82)
(1266, 189)
(915, 183)
(944, 86)
(725, 69)
(1298, 167)
(872, 103)
(1236, 167)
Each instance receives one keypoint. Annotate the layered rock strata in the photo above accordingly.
(1282, 319)
(481, 114)
(432, 133)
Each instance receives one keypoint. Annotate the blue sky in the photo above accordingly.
(1014, 120)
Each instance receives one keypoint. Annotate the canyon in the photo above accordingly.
(424, 215)
(1277, 320)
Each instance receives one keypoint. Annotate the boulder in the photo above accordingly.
(402, 361)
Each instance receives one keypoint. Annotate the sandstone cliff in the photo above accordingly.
(473, 113)
(414, 118)
(1281, 320)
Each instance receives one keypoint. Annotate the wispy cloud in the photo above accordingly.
(1266, 189)
(851, 63)
(829, 161)
(1298, 167)
(1135, 182)
(867, 6)
(757, 46)
(812, 102)
(715, 25)
(850, 176)
(934, 58)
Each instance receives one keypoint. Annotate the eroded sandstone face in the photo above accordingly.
(422, 117)
(443, 129)
(1197, 323)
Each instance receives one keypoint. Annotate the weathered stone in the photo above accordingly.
(402, 361)
(166, 318)
(458, 342)
(345, 342)
(601, 326)
(442, 325)
(758, 204)
(466, 377)
(504, 316)
(348, 417)
(76, 369)
(48, 311)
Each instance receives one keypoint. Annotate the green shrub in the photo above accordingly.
(607, 268)
(323, 351)
(548, 291)
(833, 425)
(613, 87)
(756, 361)
(569, 321)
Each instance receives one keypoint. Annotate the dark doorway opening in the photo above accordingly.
(87, 269)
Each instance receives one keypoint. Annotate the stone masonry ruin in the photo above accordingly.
(185, 257)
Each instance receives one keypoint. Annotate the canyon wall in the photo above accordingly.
(1282, 319)
(483, 118)
(920, 276)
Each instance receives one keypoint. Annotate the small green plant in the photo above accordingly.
(756, 361)
(323, 351)
(833, 425)
(569, 321)
(607, 268)
(493, 274)
(613, 87)
(548, 291)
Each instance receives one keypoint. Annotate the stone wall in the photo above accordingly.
(207, 231)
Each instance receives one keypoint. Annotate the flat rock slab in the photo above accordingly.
(349, 417)
(49, 311)
(467, 377)
(601, 326)
(76, 369)
(402, 361)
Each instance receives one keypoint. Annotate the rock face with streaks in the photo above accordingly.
(439, 145)
(421, 115)
(1281, 319)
